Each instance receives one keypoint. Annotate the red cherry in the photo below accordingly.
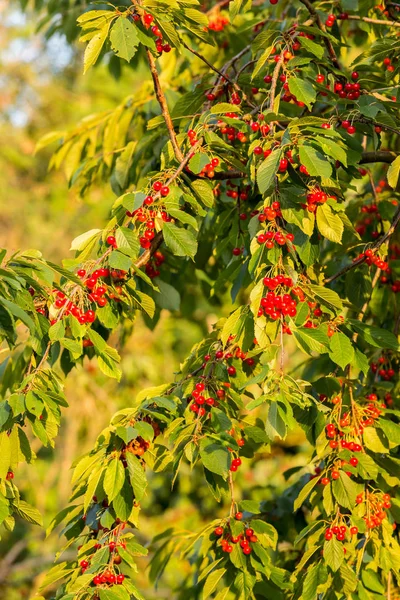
(354, 75)
(81, 273)
(218, 531)
(231, 371)
(351, 129)
(239, 516)
(164, 191)
(283, 164)
(90, 316)
(120, 578)
(157, 185)
(353, 530)
(111, 241)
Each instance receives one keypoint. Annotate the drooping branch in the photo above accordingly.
(375, 246)
(274, 81)
(373, 21)
(322, 27)
(384, 156)
(163, 105)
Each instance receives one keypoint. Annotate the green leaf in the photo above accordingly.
(80, 242)
(5, 454)
(316, 49)
(118, 260)
(390, 429)
(341, 349)
(114, 478)
(56, 573)
(29, 513)
(332, 149)
(345, 490)
(326, 296)
(304, 493)
(224, 107)
(198, 162)
(311, 582)
(333, 553)
(212, 582)
(267, 171)
(311, 340)
(303, 91)
(180, 241)
(329, 223)
(373, 441)
(127, 242)
(393, 173)
(168, 297)
(215, 457)
(358, 286)
(124, 39)
(137, 476)
(95, 46)
(57, 331)
(315, 162)
(204, 192)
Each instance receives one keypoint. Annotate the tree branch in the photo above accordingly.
(385, 156)
(274, 81)
(229, 175)
(163, 105)
(374, 21)
(322, 27)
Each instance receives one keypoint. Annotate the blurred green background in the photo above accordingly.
(42, 89)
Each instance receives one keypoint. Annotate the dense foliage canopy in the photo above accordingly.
(258, 169)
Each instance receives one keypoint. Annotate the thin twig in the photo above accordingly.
(212, 67)
(374, 21)
(274, 81)
(164, 106)
(378, 243)
(322, 27)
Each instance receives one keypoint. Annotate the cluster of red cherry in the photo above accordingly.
(372, 259)
(151, 268)
(243, 539)
(378, 367)
(108, 577)
(200, 402)
(270, 237)
(388, 64)
(375, 502)
(155, 30)
(315, 197)
(275, 305)
(218, 23)
(387, 278)
(373, 215)
(209, 169)
(229, 130)
(350, 91)
(340, 530)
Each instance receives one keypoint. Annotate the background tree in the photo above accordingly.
(249, 189)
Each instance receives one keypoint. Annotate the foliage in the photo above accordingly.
(250, 181)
